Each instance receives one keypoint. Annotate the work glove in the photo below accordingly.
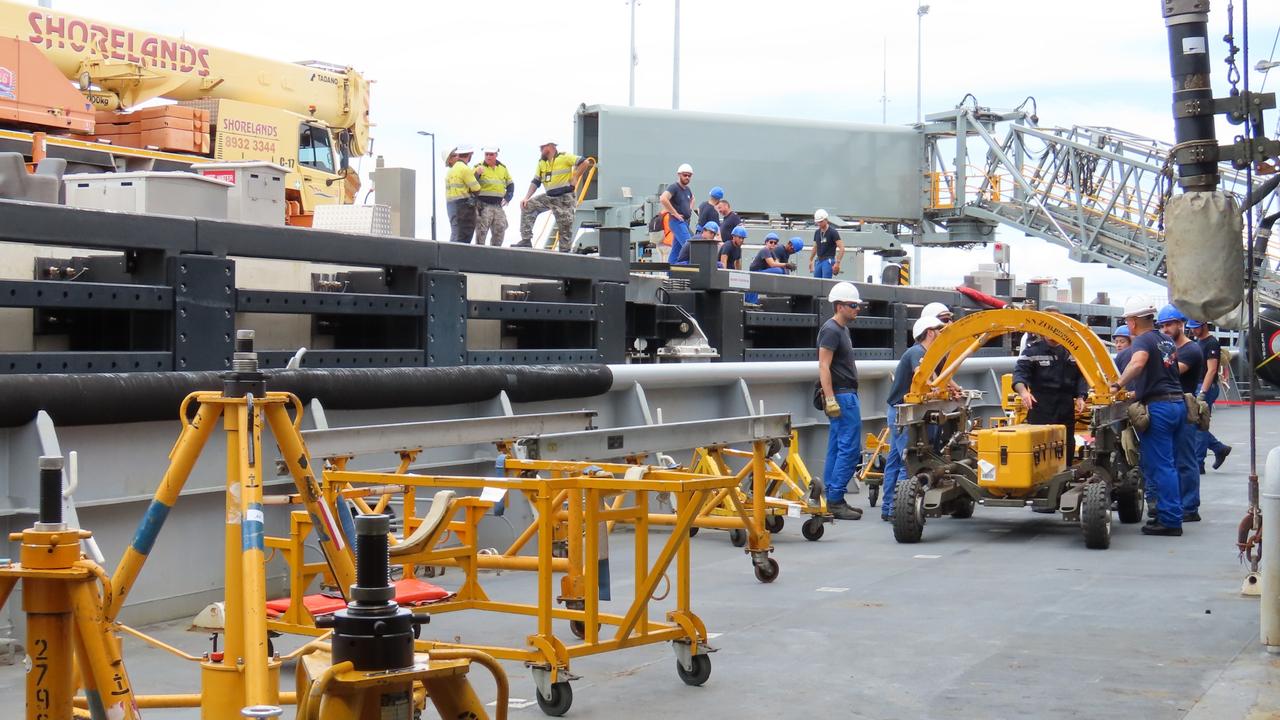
(832, 408)
(791, 266)
(1200, 396)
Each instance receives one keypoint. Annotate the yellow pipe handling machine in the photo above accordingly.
(368, 668)
(953, 465)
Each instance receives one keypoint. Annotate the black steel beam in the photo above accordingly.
(325, 303)
(97, 296)
(204, 319)
(779, 354)
(23, 363)
(218, 237)
(520, 262)
(531, 357)
(530, 310)
(41, 224)
(276, 359)
(760, 318)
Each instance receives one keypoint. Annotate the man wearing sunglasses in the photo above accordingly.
(838, 377)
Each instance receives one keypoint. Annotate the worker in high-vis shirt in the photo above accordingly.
(460, 188)
(558, 172)
(496, 190)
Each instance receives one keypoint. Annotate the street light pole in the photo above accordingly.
(632, 96)
(433, 181)
(675, 63)
(921, 11)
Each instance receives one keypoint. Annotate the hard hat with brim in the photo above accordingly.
(924, 325)
(1169, 313)
(549, 142)
(796, 244)
(1138, 307)
(740, 232)
(491, 149)
(712, 226)
(844, 292)
(1193, 324)
(1122, 331)
(771, 236)
(464, 150)
(717, 192)
(935, 309)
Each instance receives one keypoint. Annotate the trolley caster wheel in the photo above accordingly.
(774, 523)
(768, 572)
(873, 494)
(693, 530)
(738, 538)
(812, 529)
(579, 628)
(559, 702)
(699, 674)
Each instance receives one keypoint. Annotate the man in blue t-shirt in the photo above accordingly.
(828, 248)
(731, 249)
(1153, 372)
(1190, 372)
(925, 331)
(677, 204)
(707, 211)
(728, 219)
(710, 233)
(838, 377)
(1208, 392)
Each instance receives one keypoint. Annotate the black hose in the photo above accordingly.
(98, 399)
(1260, 193)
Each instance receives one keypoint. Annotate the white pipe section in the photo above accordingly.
(698, 374)
(1270, 502)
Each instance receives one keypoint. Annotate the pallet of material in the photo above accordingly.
(176, 140)
(133, 140)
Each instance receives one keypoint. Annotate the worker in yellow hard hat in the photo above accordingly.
(496, 190)
(460, 189)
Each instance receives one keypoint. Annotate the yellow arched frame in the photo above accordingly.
(965, 336)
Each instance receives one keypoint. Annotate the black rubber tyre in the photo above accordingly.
(908, 511)
(701, 671)
(769, 572)
(559, 702)
(1130, 504)
(579, 628)
(693, 530)
(963, 508)
(774, 523)
(738, 538)
(1095, 516)
(873, 494)
(813, 528)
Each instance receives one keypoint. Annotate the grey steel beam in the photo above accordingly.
(646, 439)
(398, 437)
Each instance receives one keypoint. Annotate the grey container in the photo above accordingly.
(257, 190)
(150, 193)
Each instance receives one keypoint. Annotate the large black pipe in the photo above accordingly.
(99, 399)
(1187, 22)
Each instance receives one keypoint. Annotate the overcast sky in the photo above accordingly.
(512, 72)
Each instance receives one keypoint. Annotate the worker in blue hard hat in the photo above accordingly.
(707, 211)
(1208, 392)
(1153, 371)
(1121, 338)
(707, 233)
(766, 260)
(731, 248)
(1190, 360)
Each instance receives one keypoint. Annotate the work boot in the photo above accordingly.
(886, 518)
(843, 510)
(1220, 456)
(1201, 467)
(1192, 516)
(1161, 530)
(523, 243)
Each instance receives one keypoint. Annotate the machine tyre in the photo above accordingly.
(1131, 502)
(873, 494)
(963, 508)
(774, 523)
(908, 511)
(768, 572)
(1095, 516)
(738, 538)
(701, 671)
(579, 628)
(559, 702)
(812, 529)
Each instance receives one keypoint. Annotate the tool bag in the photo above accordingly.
(1139, 416)
(819, 400)
(1197, 411)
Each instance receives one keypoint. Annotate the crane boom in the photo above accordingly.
(118, 67)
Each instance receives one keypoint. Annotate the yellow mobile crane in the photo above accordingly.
(309, 117)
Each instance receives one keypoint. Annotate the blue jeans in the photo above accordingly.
(822, 268)
(754, 298)
(1185, 447)
(844, 447)
(679, 235)
(895, 463)
(1205, 439)
(1158, 464)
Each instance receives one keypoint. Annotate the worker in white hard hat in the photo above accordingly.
(496, 190)
(460, 188)
(558, 173)
(1153, 371)
(838, 380)
(677, 204)
(924, 332)
(828, 248)
(938, 310)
